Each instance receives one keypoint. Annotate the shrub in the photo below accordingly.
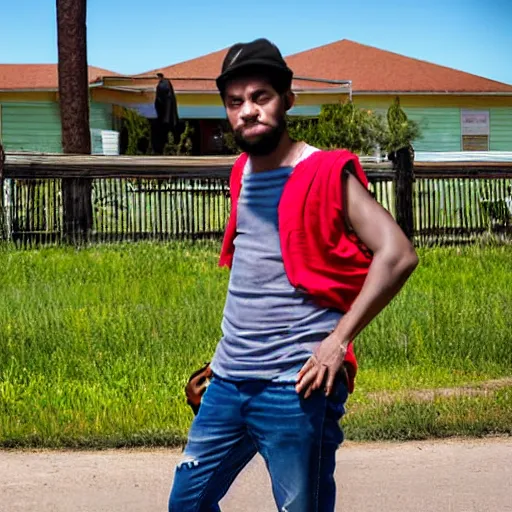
(401, 131)
(138, 131)
(183, 146)
(359, 130)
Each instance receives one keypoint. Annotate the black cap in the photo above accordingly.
(257, 56)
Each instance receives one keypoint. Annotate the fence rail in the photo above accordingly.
(133, 198)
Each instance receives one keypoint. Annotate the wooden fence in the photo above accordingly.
(459, 202)
(135, 198)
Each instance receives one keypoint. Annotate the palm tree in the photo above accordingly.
(74, 111)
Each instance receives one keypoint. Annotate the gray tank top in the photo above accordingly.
(269, 329)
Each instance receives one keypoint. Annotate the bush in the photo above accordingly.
(138, 130)
(341, 126)
(356, 129)
(184, 146)
(400, 130)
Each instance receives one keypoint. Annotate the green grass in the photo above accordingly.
(406, 419)
(97, 344)
(455, 313)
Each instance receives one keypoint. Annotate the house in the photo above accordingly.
(456, 111)
(198, 99)
(29, 108)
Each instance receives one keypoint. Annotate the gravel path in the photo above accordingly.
(441, 476)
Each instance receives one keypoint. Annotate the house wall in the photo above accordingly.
(439, 118)
(31, 127)
(501, 129)
(100, 116)
(204, 105)
(31, 121)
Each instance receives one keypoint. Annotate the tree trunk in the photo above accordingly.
(74, 113)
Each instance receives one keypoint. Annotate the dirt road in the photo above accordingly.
(448, 476)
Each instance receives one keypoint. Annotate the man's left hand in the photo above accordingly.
(322, 367)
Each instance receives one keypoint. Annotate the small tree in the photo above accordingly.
(138, 130)
(229, 142)
(184, 146)
(401, 131)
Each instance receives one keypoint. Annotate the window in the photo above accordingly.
(475, 130)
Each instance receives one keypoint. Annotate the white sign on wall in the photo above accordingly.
(474, 122)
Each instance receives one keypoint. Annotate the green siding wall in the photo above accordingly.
(501, 129)
(100, 116)
(440, 128)
(36, 126)
(31, 127)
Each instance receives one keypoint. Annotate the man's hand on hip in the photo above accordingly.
(322, 367)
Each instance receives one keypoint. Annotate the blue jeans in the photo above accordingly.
(297, 438)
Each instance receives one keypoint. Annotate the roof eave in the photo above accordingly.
(431, 93)
(46, 89)
(334, 90)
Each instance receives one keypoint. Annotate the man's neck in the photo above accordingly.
(284, 155)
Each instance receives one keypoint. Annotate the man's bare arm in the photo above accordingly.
(394, 260)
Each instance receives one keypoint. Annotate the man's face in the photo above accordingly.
(256, 113)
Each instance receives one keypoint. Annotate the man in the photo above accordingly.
(314, 258)
(166, 111)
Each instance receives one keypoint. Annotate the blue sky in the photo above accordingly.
(130, 36)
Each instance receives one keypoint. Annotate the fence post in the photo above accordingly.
(404, 191)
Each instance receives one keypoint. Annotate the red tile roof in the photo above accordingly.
(208, 66)
(380, 71)
(38, 76)
(370, 70)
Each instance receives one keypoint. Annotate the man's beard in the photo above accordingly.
(263, 145)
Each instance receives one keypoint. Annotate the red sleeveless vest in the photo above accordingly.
(321, 256)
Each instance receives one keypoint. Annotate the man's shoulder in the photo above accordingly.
(326, 158)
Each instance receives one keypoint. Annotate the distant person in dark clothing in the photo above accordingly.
(166, 110)
(165, 102)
